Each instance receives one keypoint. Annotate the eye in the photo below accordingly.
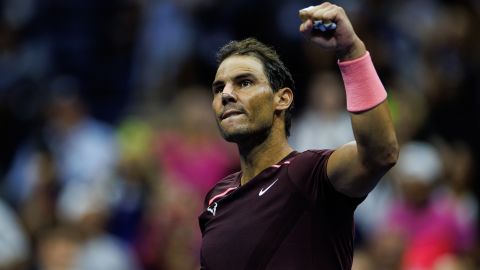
(217, 89)
(246, 83)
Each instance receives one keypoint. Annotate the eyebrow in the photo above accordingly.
(217, 84)
(236, 78)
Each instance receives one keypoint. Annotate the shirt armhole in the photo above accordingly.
(337, 196)
(308, 173)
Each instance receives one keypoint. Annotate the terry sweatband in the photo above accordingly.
(363, 87)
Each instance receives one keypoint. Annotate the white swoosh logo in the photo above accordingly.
(262, 191)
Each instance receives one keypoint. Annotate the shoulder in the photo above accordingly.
(309, 159)
(226, 184)
(308, 171)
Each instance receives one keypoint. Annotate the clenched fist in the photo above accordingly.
(343, 40)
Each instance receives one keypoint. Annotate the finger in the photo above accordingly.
(305, 13)
(308, 12)
(302, 27)
(327, 14)
(306, 27)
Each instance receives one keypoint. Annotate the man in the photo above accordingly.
(285, 209)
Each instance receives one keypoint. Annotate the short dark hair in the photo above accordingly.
(277, 73)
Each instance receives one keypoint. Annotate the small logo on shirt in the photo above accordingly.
(262, 191)
(212, 209)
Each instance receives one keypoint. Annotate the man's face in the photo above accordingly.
(242, 99)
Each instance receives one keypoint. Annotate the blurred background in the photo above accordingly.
(108, 143)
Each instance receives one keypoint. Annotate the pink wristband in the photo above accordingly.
(363, 87)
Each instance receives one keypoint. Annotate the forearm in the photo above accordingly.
(366, 100)
(374, 133)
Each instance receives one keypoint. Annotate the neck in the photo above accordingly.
(254, 158)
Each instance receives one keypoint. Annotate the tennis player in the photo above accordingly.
(287, 209)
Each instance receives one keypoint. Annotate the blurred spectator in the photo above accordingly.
(166, 41)
(37, 211)
(83, 149)
(193, 152)
(409, 112)
(386, 250)
(453, 262)
(22, 57)
(426, 227)
(14, 246)
(370, 214)
(362, 261)
(168, 236)
(87, 208)
(130, 191)
(457, 190)
(58, 248)
(190, 157)
(325, 123)
(56, 172)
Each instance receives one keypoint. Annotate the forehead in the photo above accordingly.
(240, 64)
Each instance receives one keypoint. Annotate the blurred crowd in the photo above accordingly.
(109, 143)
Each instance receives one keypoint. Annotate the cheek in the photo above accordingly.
(216, 104)
(262, 106)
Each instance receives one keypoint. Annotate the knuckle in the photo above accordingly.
(340, 9)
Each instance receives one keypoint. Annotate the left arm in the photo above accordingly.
(355, 168)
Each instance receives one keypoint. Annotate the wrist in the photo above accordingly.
(363, 87)
(356, 50)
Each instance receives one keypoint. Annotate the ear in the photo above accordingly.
(283, 99)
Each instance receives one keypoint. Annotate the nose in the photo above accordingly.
(228, 98)
(228, 95)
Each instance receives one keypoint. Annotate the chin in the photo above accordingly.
(235, 137)
(245, 136)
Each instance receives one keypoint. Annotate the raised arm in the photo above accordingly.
(355, 168)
